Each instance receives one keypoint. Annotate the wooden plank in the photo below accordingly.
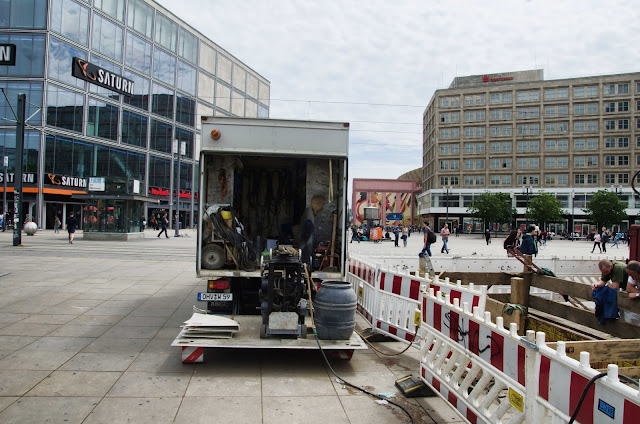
(494, 307)
(631, 372)
(604, 350)
(616, 328)
(480, 278)
(579, 290)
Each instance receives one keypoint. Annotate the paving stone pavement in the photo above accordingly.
(85, 334)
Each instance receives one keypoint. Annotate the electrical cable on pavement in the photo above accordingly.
(363, 390)
(327, 360)
(391, 354)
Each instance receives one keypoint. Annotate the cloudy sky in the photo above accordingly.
(376, 64)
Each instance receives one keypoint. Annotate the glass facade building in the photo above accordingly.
(79, 130)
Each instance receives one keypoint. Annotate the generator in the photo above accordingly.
(283, 295)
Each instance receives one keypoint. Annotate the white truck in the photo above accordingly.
(272, 204)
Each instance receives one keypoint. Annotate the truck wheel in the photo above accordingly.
(212, 256)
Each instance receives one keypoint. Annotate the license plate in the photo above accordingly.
(224, 297)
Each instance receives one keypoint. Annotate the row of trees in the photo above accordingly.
(604, 209)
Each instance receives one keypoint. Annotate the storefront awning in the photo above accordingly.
(114, 196)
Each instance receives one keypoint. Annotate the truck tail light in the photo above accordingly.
(218, 284)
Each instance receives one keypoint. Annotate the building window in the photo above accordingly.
(609, 142)
(592, 160)
(102, 120)
(477, 99)
(468, 180)
(70, 20)
(67, 156)
(444, 181)
(186, 78)
(609, 125)
(623, 178)
(138, 53)
(623, 88)
(623, 160)
(454, 181)
(623, 142)
(592, 108)
(166, 32)
(134, 129)
(623, 124)
(592, 143)
(592, 178)
(623, 106)
(609, 178)
(494, 180)
(162, 101)
(185, 110)
(609, 160)
(113, 8)
(60, 56)
(107, 38)
(188, 46)
(578, 178)
(34, 94)
(161, 136)
(579, 109)
(64, 108)
(140, 17)
(140, 98)
(480, 180)
(579, 161)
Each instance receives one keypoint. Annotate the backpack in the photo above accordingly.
(431, 237)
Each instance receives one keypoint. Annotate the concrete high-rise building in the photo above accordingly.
(111, 85)
(520, 134)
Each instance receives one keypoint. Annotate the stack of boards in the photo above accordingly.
(202, 326)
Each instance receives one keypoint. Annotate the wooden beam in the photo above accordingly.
(616, 328)
(603, 350)
(480, 278)
(631, 372)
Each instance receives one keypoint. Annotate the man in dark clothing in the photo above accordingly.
(528, 246)
(396, 235)
(427, 241)
(72, 223)
(163, 223)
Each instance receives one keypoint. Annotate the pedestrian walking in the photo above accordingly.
(56, 225)
(396, 236)
(615, 240)
(163, 224)
(429, 239)
(354, 235)
(72, 223)
(529, 245)
(405, 235)
(604, 238)
(487, 236)
(444, 233)
(596, 242)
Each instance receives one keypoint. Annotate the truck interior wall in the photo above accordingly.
(272, 195)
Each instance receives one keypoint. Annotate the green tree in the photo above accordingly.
(605, 209)
(491, 207)
(544, 209)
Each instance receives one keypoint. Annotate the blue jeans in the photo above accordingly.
(445, 240)
(426, 250)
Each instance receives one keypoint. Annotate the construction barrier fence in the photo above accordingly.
(487, 372)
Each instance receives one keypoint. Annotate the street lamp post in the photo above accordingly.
(4, 195)
(447, 200)
(526, 189)
(573, 225)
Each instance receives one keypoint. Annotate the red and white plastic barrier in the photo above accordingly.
(192, 354)
(490, 374)
(389, 299)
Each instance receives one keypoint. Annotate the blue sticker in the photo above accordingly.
(608, 410)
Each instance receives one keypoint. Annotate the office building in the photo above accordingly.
(141, 80)
(520, 134)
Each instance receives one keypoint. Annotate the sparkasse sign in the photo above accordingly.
(8, 54)
(96, 75)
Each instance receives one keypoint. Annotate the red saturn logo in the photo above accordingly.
(485, 78)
